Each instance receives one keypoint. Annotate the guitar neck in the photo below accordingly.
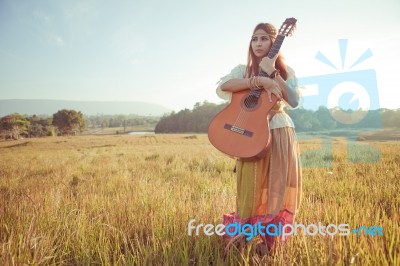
(276, 46)
(273, 51)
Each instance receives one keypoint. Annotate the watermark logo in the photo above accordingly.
(280, 230)
(351, 98)
(368, 231)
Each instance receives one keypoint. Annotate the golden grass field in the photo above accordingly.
(127, 200)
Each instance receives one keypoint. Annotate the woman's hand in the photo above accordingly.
(268, 64)
(271, 87)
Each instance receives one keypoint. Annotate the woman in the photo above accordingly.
(268, 190)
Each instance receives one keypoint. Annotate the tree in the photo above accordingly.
(13, 126)
(68, 122)
(325, 118)
(40, 126)
(303, 119)
(196, 120)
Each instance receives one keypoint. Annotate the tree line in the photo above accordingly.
(106, 121)
(71, 122)
(64, 122)
(198, 119)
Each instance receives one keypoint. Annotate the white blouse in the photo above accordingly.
(281, 118)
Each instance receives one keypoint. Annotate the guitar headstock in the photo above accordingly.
(288, 26)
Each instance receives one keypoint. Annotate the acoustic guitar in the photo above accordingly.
(241, 130)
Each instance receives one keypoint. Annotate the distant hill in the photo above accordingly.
(49, 107)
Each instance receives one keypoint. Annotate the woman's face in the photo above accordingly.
(260, 43)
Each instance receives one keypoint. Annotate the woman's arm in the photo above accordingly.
(265, 83)
(234, 85)
(234, 82)
(290, 90)
(237, 73)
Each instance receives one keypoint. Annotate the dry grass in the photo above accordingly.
(128, 200)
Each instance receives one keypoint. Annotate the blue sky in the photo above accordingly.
(173, 52)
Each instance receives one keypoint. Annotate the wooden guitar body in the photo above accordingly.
(241, 130)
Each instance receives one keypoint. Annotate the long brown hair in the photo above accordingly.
(252, 68)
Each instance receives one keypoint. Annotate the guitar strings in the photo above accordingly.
(242, 114)
(240, 118)
(249, 102)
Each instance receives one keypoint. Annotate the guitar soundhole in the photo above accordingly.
(251, 101)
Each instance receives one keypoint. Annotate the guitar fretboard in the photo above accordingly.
(273, 51)
(276, 46)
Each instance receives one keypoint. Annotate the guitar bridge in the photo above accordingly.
(238, 130)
